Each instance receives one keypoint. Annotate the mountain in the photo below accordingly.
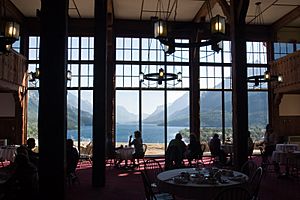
(211, 110)
(157, 117)
(73, 101)
(72, 111)
(123, 116)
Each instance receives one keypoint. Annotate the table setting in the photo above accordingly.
(207, 176)
(196, 182)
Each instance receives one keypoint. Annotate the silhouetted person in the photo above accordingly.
(72, 157)
(23, 183)
(194, 149)
(269, 142)
(137, 142)
(33, 156)
(215, 149)
(250, 144)
(175, 152)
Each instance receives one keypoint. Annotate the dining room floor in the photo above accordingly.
(127, 184)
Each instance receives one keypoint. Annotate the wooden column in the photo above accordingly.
(194, 92)
(238, 10)
(100, 91)
(52, 98)
(111, 134)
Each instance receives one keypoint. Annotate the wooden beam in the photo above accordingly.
(99, 95)
(225, 8)
(203, 11)
(12, 11)
(294, 14)
(242, 10)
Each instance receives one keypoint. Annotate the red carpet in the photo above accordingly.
(123, 185)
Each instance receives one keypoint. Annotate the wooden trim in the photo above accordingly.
(294, 14)
(225, 8)
(203, 11)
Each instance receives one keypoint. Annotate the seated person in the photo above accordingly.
(215, 149)
(194, 149)
(72, 157)
(137, 142)
(268, 143)
(250, 144)
(24, 181)
(33, 156)
(175, 152)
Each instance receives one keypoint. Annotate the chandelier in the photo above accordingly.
(267, 77)
(161, 76)
(161, 28)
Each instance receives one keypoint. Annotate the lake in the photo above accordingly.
(151, 133)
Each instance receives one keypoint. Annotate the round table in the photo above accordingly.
(203, 190)
(8, 153)
(124, 154)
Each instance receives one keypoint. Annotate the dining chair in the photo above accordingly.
(234, 193)
(86, 153)
(249, 168)
(142, 156)
(149, 194)
(254, 183)
(266, 163)
(152, 168)
(173, 158)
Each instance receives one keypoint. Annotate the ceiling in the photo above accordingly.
(272, 10)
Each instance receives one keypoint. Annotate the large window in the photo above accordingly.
(79, 88)
(148, 106)
(215, 82)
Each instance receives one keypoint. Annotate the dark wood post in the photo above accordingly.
(194, 92)
(100, 94)
(52, 98)
(238, 10)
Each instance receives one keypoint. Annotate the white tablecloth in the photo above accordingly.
(287, 147)
(8, 153)
(194, 190)
(125, 153)
(282, 156)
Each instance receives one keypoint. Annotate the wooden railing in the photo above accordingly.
(13, 70)
(289, 68)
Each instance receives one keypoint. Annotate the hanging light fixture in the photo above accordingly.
(34, 76)
(161, 76)
(267, 77)
(217, 30)
(9, 31)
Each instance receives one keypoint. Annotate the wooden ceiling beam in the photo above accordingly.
(203, 11)
(225, 8)
(242, 11)
(294, 14)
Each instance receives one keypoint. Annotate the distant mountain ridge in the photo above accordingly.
(178, 111)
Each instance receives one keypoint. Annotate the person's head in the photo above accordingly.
(30, 143)
(178, 136)
(216, 136)
(22, 150)
(69, 143)
(269, 128)
(137, 134)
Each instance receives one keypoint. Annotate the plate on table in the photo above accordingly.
(180, 180)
